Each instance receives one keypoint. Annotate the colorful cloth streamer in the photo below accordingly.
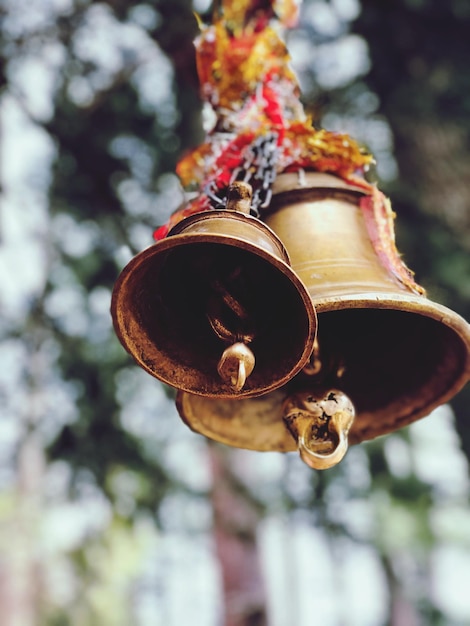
(245, 76)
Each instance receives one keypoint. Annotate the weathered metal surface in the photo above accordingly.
(397, 354)
(219, 277)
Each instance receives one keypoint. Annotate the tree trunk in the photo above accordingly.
(20, 571)
(235, 524)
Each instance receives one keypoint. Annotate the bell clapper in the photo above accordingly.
(230, 321)
(227, 316)
(320, 422)
(236, 364)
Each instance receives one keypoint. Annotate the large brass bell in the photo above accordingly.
(215, 308)
(385, 355)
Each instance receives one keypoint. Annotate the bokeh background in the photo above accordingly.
(111, 511)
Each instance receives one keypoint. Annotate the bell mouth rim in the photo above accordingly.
(411, 303)
(119, 293)
(396, 301)
(278, 440)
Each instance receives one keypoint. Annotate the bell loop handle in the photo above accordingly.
(317, 460)
(320, 423)
(240, 194)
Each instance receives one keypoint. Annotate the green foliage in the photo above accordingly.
(419, 72)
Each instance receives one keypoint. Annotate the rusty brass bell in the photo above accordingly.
(385, 355)
(215, 308)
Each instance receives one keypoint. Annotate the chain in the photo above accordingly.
(258, 169)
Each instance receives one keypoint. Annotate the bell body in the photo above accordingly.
(324, 231)
(219, 278)
(399, 354)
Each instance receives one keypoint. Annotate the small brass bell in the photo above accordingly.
(385, 355)
(215, 308)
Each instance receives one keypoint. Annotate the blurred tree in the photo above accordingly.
(112, 123)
